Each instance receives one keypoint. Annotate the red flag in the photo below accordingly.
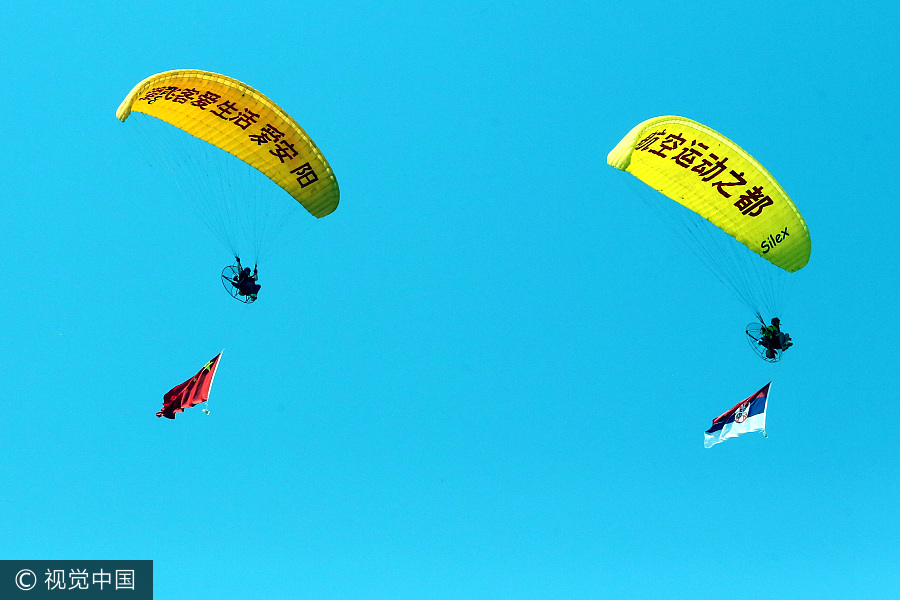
(190, 393)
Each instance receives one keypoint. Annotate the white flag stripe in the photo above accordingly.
(734, 429)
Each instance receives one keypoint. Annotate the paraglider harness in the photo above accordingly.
(768, 338)
(240, 283)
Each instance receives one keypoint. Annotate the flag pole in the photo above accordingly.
(211, 380)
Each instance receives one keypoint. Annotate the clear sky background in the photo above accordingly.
(488, 373)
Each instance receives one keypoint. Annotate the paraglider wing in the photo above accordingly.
(240, 120)
(713, 177)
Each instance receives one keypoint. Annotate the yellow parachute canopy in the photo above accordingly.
(712, 176)
(241, 121)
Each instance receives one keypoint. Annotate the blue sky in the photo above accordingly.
(488, 373)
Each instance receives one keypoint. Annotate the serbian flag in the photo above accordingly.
(190, 393)
(748, 415)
